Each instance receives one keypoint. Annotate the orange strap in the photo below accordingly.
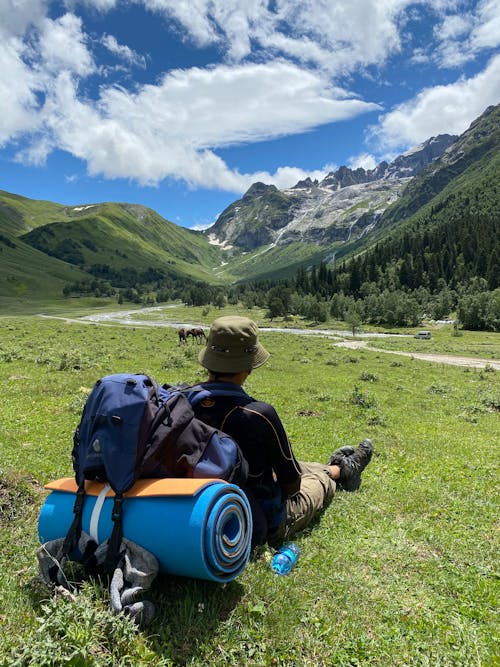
(171, 486)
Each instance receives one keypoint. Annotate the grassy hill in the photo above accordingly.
(273, 262)
(45, 246)
(19, 215)
(28, 275)
(123, 235)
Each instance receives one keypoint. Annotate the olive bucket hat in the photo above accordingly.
(233, 346)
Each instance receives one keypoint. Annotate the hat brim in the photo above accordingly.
(220, 362)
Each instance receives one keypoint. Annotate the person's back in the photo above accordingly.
(274, 473)
(258, 430)
(285, 494)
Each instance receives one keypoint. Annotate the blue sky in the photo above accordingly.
(181, 105)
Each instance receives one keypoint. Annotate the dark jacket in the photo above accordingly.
(258, 430)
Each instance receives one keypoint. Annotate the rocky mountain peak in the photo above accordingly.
(306, 184)
(259, 189)
(414, 160)
(405, 165)
(346, 204)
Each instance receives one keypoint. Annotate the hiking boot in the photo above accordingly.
(352, 465)
(346, 450)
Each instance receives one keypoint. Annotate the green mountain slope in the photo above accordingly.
(118, 235)
(19, 215)
(272, 262)
(45, 247)
(27, 274)
(473, 155)
(121, 236)
(454, 237)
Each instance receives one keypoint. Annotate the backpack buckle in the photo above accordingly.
(116, 513)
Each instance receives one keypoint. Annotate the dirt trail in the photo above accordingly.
(471, 362)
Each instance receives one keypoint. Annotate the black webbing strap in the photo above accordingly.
(75, 530)
(115, 539)
(71, 540)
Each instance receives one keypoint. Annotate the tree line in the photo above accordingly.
(425, 270)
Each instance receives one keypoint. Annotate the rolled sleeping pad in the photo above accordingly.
(199, 528)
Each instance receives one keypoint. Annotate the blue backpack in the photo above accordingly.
(131, 429)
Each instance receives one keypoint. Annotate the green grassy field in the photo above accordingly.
(402, 573)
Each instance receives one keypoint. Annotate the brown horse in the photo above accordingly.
(182, 333)
(197, 335)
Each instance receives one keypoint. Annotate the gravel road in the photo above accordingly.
(453, 360)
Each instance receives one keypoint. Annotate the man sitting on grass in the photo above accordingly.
(284, 494)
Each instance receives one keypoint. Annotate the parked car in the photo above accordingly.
(426, 335)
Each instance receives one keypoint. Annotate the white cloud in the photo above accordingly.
(36, 152)
(277, 80)
(193, 15)
(363, 161)
(239, 22)
(63, 46)
(287, 177)
(59, 45)
(351, 32)
(462, 36)
(234, 181)
(19, 82)
(17, 15)
(337, 36)
(486, 33)
(18, 87)
(100, 5)
(171, 130)
(439, 110)
(420, 56)
(225, 105)
(122, 51)
(340, 37)
(453, 26)
(453, 55)
(201, 226)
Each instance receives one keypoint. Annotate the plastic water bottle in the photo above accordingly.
(285, 558)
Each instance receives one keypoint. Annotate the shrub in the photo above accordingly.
(77, 630)
(439, 389)
(362, 400)
(368, 377)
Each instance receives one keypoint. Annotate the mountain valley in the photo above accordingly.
(268, 234)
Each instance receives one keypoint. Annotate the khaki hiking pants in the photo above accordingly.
(316, 491)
